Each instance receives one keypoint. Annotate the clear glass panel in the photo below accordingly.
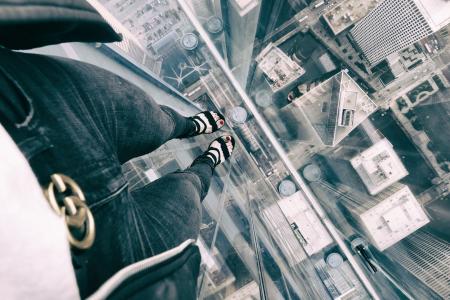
(358, 104)
(364, 133)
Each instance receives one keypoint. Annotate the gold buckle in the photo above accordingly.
(74, 209)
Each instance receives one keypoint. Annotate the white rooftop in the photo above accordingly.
(393, 219)
(379, 166)
(304, 220)
(279, 68)
(436, 12)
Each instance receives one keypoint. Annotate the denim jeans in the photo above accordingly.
(80, 120)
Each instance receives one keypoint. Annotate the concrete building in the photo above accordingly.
(280, 69)
(340, 281)
(304, 222)
(248, 291)
(156, 25)
(427, 257)
(130, 46)
(347, 13)
(396, 24)
(388, 217)
(335, 107)
(217, 274)
(151, 23)
(379, 166)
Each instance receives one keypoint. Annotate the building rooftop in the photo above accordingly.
(149, 21)
(305, 223)
(379, 166)
(335, 107)
(436, 12)
(347, 13)
(340, 281)
(280, 69)
(394, 218)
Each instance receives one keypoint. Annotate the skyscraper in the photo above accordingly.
(280, 69)
(334, 108)
(340, 280)
(379, 166)
(427, 257)
(242, 22)
(388, 217)
(396, 24)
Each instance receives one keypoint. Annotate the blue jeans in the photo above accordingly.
(82, 121)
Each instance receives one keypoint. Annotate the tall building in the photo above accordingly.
(388, 217)
(396, 24)
(249, 291)
(130, 46)
(347, 13)
(152, 23)
(334, 108)
(242, 21)
(169, 45)
(340, 280)
(217, 274)
(305, 225)
(379, 166)
(280, 69)
(427, 257)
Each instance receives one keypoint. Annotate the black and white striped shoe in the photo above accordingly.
(206, 122)
(219, 150)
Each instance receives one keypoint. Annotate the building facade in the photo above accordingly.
(427, 257)
(395, 24)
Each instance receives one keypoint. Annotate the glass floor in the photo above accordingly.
(339, 185)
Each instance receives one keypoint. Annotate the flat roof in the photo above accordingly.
(278, 67)
(347, 13)
(394, 218)
(300, 214)
(379, 166)
(436, 12)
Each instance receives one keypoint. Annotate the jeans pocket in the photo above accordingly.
(16, 106)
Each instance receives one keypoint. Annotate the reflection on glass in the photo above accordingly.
(361, 110)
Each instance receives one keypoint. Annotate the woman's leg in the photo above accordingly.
(135, 225)
(89, 115)
(170, 207)
(136, 123)
(170, 210)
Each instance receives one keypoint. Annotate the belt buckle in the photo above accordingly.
(73, 210)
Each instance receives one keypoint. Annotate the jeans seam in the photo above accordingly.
(174, 123)
(108, 198)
